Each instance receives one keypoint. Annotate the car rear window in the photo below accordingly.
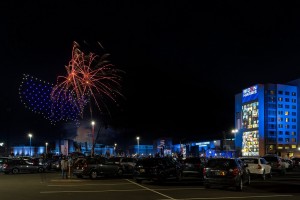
(221, 163)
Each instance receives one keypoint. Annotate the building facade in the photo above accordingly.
(266, 117)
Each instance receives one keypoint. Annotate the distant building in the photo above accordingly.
(266, 117)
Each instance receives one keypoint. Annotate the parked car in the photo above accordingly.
(193, 167)
(127, 163)
(158, 169)
(276, 163)
(95, 167)
(226, 172)
(16, 166)
(289, 165)
(2, 161)
(258, 166)
(296, 161)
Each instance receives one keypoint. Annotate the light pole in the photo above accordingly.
(115, 148)
(234, 131)
(138, 143)
(93, 138)
(46, 147)
(30, 136)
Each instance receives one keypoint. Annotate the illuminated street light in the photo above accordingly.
(234, 131)
(138, 143)
(30, 136)
(46, 147)
(115, 147)
(93, 138)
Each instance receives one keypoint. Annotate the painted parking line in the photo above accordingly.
(240, 197)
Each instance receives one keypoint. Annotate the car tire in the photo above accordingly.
(263, 176)
(93, 174)
(240, 186)
(40, 170)
(15, 171)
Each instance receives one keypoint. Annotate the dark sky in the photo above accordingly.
(184, 61)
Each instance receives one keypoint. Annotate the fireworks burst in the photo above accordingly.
(89, 78)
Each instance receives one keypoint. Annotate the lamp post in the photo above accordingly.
(234, 131)
(115, 148)
(46, 147)
(138, 143)
(30, 136)
(93, 138)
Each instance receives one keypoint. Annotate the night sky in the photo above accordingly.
(183, 61)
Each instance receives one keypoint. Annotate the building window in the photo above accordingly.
(280, 126)
(287, 139)
(293, 126)
(280, 132)
(287, 126)
(294, 140)
(280, 92)
(293, 133)
(279, 98)
(271, 133)
(287, 100)
(293, 119)
(294, 100)
(294, 146)
(280, 112)
(280, 106)
(293, 106)
(287, 119)
(287, 106)
(294, 113)
(280, 119)
(272, 92)
(286, 113)
(293, 93)
(280, 139)
(287, 133)
(287, 93)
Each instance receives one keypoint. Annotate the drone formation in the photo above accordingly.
(91, 79)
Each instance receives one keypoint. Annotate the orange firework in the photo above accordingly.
(88, 76)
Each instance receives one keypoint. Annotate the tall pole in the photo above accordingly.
(29, 135)
(93, 138)
(46, 147)
(138, 143)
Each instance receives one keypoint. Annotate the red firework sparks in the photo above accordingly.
(88, 76)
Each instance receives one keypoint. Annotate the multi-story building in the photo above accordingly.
(266, 117)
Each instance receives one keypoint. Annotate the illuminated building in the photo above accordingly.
(266, 119)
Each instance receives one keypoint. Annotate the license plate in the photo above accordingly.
(142, 170)
(220, 173)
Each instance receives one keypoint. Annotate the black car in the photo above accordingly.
(95, 167)
(16, 166)
(193, 167)
(157, 169)
(226, 172)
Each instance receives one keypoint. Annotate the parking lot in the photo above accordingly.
(51, 186)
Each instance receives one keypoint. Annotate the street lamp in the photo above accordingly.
(46, 147)
(30, 136)
(138, 143)
(234, 131)
(93, 138)
(115, 147)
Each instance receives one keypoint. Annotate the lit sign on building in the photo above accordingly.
(250, 115)
(250, 145)
(250, 94)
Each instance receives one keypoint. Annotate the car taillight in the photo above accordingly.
(259, 167)
(204, 171)
(235, 171)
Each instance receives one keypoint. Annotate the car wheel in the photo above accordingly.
(40, 170)
(239, 187)
(120, 173)
(15, 171)
(179, 176)
(94, 174)
(263, 176)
